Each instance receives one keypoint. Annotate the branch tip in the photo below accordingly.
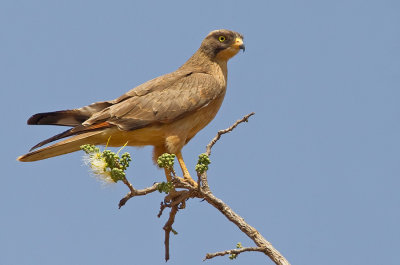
(221, 132)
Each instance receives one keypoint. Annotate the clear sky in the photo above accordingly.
(316, 170)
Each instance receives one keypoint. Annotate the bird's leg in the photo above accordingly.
(172, 192)
(157, 152)
(185, 171)
(168, 174)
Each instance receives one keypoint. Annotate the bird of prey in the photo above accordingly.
(165, 112)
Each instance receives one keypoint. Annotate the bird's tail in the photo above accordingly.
(69, 145)
(72, 117)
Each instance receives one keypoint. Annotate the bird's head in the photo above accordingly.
(222, 44)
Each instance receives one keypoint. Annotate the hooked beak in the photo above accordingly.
(239, 44)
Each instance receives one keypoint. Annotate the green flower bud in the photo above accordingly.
(166, 161)
(165, 187)
(202, 163)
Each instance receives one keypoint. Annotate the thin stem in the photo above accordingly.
(221, 132)
(134, 192)
(233, 251)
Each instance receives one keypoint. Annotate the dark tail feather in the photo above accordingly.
(73, 117)
(54, 138)
(62, 117)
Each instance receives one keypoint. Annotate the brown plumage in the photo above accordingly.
(165, 112)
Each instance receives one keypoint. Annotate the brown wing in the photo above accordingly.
(167, 99)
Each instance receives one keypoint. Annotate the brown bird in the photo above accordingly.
(165, 112)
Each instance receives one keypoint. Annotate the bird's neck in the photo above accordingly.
(202, 62)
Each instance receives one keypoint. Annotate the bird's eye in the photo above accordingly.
(221, 38)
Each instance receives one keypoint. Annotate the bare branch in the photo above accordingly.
(250, 231)
(203, 177)
(175, 200)
(221, 132)
(134, 192)
(162, 207)
(168, 228)
(233, 251)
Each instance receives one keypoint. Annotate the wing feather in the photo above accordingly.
(163, 100)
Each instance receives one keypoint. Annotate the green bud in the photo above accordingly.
(202, 163)
(124, 161)
(117, 174)
(165, 187)
(89, 149)
(166, 161)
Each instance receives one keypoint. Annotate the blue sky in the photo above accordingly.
(316, 170)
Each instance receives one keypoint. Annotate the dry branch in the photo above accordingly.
(134, 192)
(250, 231)
(221, 132)
(232, 251)
(168, 228)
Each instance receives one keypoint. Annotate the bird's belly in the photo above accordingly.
(152, 135)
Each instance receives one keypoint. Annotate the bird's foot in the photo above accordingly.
(186, 175)
(188, 180)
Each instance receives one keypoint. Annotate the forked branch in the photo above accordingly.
(134, 192)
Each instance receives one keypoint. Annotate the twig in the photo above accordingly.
(175, 200)
(233, 251)
(203, 177)
(168, 228)
(162, 207)
(221, 132)
(134, 192)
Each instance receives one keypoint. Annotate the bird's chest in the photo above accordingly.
(199, 119)
(203, 116)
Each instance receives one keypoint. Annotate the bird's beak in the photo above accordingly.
(239, 44)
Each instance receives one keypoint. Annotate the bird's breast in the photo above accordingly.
(200, 118)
